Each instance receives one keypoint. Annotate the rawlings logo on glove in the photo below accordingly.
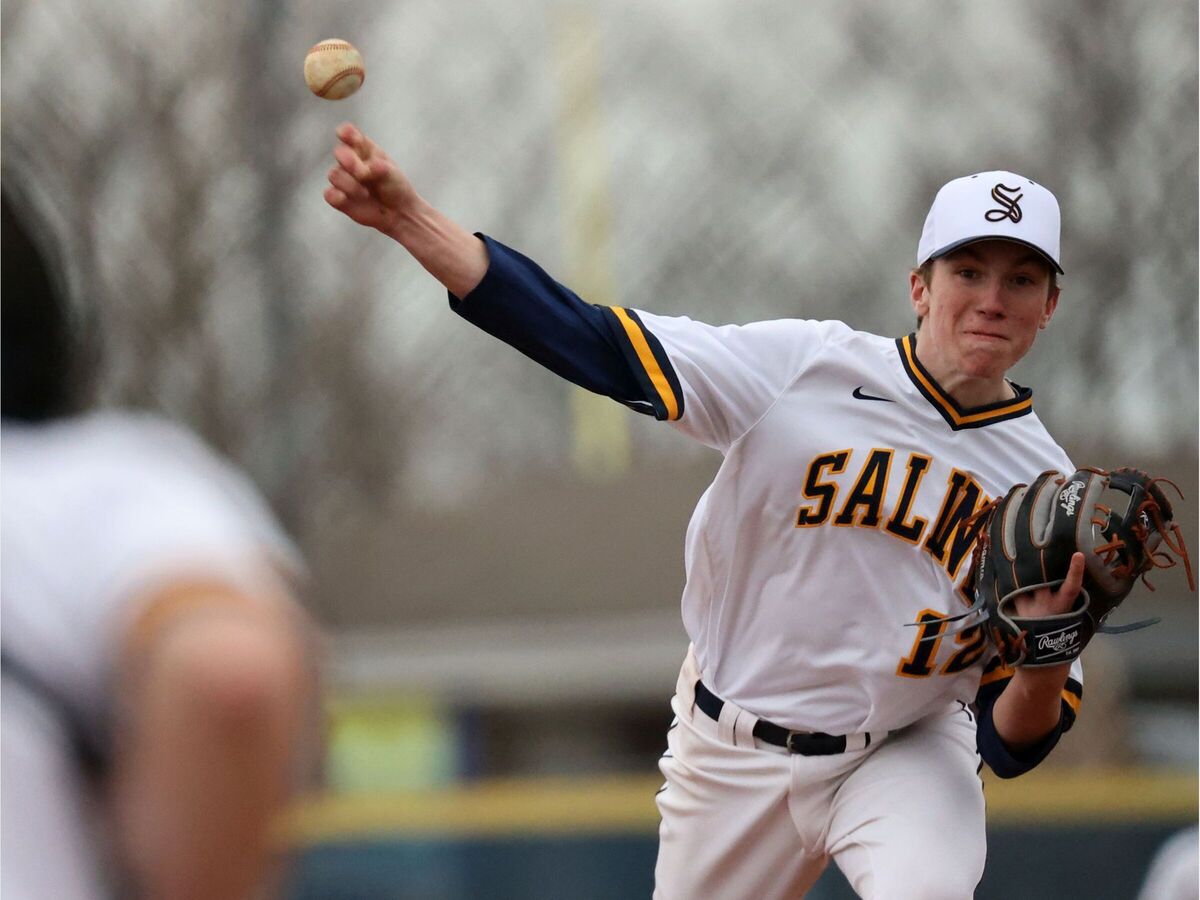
(1070, 497)
(1063, 642)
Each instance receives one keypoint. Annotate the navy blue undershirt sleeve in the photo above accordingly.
(519, 303)
(1002, 760)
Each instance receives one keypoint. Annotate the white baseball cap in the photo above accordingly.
(996, 205)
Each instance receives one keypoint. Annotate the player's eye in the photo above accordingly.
(968, 274)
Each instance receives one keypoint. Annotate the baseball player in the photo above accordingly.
(1174, 872)
(156, 691)
(825, 709)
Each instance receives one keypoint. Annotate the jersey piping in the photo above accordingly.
(649, 362)
(956, 416)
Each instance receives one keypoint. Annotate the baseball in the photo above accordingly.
(333, 69)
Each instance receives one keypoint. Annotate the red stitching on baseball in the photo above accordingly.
(353, 70)
(343, 45)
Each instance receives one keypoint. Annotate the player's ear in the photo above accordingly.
(1051, 306)
(918, 292)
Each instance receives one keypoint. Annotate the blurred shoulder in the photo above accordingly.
(132, 479)
(141, 451)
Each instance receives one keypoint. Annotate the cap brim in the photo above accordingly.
(950, 248)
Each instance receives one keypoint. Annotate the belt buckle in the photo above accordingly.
(792, 748)
(815, 743)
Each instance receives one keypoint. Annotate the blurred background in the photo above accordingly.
(496, 556)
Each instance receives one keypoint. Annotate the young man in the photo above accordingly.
(810, 722)
(158, 692)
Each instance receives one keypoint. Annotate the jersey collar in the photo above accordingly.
(956, 416)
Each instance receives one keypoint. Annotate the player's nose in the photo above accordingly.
(991, 299)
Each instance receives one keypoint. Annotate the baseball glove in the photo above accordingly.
(1121, 521)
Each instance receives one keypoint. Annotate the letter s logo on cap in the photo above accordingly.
(1002, 194)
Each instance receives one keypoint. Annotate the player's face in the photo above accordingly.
(982, 309)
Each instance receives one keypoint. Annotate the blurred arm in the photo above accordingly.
(214, 692)
(371, 189)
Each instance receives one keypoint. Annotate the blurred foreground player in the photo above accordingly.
(157, 688)
(1174, 872)
(812, 724)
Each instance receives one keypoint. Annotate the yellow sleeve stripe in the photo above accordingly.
(649, 363)
(1072, 694)
(1072, 700)
(999, 673)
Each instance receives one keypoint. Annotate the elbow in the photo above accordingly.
(237, 675)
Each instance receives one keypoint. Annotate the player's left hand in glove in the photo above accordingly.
(1122, 524)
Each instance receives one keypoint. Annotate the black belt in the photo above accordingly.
(806, 743)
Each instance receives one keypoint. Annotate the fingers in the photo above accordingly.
(363, 146)
(1074, 581)
(365, 184)
(1045, 602)
(366, 147)
(335, 198)
(352, 138)
(351, 162)
(378, 167)
(344, 182)
(375, 169)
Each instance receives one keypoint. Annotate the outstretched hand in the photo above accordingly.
(366, 184)
(370, 189)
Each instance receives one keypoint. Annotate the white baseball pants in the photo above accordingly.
(746, 820)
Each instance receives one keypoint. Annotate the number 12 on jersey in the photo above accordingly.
(920, 661)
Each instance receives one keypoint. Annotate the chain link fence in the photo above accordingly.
(730, 162)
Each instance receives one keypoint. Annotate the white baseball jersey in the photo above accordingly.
(96, 512)
(832, 522)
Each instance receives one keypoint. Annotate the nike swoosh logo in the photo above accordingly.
(859, 395)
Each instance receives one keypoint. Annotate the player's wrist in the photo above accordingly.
(1037, 682)
(1030, 707)
(411, 223)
